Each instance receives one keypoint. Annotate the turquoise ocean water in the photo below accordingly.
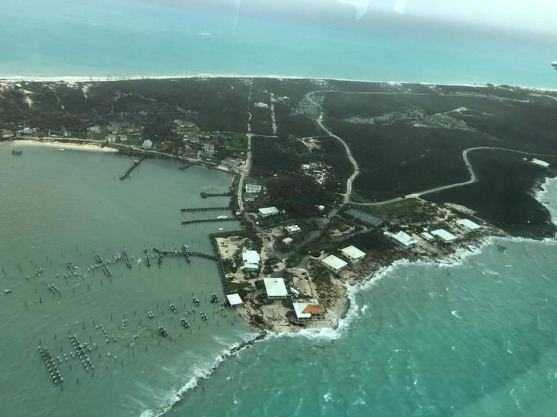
(135, 38)
(475, 338)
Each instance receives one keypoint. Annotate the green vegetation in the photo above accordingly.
(502, 194)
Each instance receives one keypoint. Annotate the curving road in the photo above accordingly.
(469, 167)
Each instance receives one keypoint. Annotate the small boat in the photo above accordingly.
(7, 291)
(62, 150)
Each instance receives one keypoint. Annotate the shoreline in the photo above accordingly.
(54, 143)
(94, 79)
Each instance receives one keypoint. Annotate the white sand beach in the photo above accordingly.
(85, 146)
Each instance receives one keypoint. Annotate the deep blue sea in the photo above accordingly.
(474, 338)
(101, 38)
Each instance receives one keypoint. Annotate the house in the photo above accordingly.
(147, 144)
(293, 229)
(111, 138)
(123, 138)
(309, 311)
(253, 188)
(208, 150)
(251, 191)
(287, 240)
(234, 300)
(333, 263)
(404, 240)
(427, 236)
(268, 211)
(353, 253)
(444, 235)
(467, 225)
(275, 288)
(250, 260)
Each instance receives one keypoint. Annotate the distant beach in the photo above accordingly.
(86, 146)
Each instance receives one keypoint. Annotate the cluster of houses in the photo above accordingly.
(275, 289)
(304, 310)
(317, 170)
(335, 264)
(406, 241)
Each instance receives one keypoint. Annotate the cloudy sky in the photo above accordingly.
(529, 15)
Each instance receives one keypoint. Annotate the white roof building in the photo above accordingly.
(287, 240)
(250, 260)
(293, 228)
(147, 144)
(275, 288)
(467, 225)
(444, 235)
(404, 240)
(333, 263)
(268, 211)
(253, 188)
(428, 236)
(234, 299)
(541, 163)
(353, 253)
(308, 311)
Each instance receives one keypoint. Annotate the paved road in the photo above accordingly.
(473, 177)
(350, 180)
(472, 180)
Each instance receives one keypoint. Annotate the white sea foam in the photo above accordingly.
(547, 195)
(200, 373)
(455, 314)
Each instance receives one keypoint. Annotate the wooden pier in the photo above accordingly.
(50, 364)
(226, 194)
(127, 259)
(147, 258)
(185, 253)
(82, 350)
(225, 283)
(226, 219)
(192, 209)
(130, 169)
(186, 166)
(102, 264)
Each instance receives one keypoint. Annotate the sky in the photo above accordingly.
(515, 15)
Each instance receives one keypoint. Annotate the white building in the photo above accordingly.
(309, 311)
(234, 300)
(147, 144)
(111, 138)
(404, 240)
(268, 211)
(293, 228)
(250, 260)
(428, 237)
(287, 240)
(208, 149)
(333, 263)
(467, 225)
(353, 253)
(444, 235)
(275, 288)
(253, 188)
